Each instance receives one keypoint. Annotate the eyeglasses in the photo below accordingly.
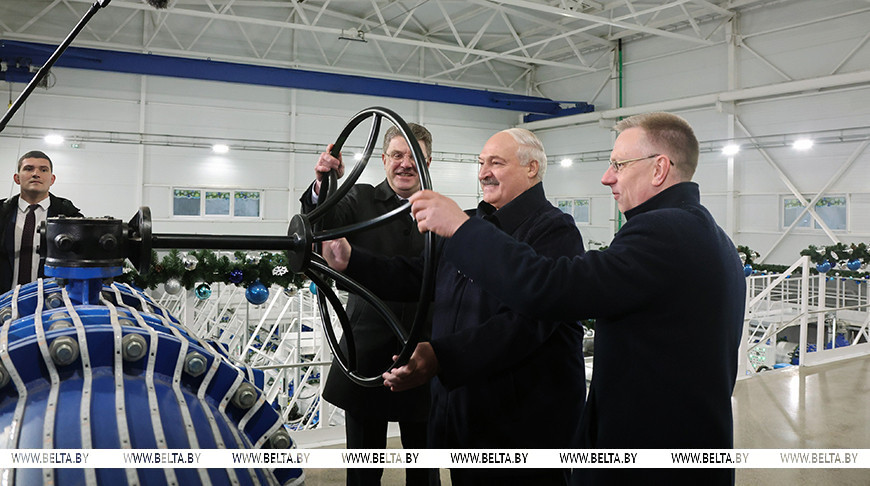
(619, 164)
(400, 156)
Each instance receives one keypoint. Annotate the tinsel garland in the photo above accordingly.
(272, 268)
(268, 268)
(747, 255)
(838, 255)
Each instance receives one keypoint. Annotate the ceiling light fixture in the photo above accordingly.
(220, 148)
(53, 139)
(802, 144)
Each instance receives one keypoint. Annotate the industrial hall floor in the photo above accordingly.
(818, 407)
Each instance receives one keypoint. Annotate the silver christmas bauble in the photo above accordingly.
(172, 286)
(189, 262)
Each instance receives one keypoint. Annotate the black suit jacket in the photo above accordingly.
(8, 214)
(375, 343)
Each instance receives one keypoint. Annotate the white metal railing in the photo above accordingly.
(283, 337)
(781, 310)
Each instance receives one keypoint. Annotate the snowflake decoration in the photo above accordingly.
(279, 270)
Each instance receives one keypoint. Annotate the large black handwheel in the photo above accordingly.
(318, 270)
(302, 244)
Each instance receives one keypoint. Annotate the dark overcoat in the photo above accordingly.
(506, 379)
(375, 342)
(668, 296)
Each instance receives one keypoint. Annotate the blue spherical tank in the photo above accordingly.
(91, 366)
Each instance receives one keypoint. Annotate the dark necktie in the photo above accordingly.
(25, 256)
(402, 201)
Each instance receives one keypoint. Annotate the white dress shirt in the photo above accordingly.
(41, 214)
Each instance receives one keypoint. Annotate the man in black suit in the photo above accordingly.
(21, 215)
(368, 410)
(499, 379)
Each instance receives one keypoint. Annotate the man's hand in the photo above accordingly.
(326, 163)
(421, 367)
(336, 253)
(436, 213)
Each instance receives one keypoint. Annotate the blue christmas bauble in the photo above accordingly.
(203, 291)
(236, 276)
(747, 270)
(853, 265)
(824, 267)
(313, 288)
(257, 293)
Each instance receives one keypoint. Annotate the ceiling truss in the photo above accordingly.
(488, 44)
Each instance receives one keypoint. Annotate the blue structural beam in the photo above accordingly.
(568, 108)
(24, 53)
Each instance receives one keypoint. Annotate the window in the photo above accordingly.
(577, 208)
(833, 210)
(186, 202)
(216, 203)
(247, 204)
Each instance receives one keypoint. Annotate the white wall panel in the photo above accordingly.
(581, 179)
(179, 91)
(91, 85)
(275, 205)
(199, 167)
(760, 213)
(706, 123)
(755, 175)
(461, 136)
(687, 73)
(795, 114)
(217, 122)
(860, 216)
(101, 179)
(455, 178)
(812, 50)
(712, 173)
(716, 205)
(464, 129)
(159, 199)
(574, 139)
(187, 226)
(74, 112)
(808, 171)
